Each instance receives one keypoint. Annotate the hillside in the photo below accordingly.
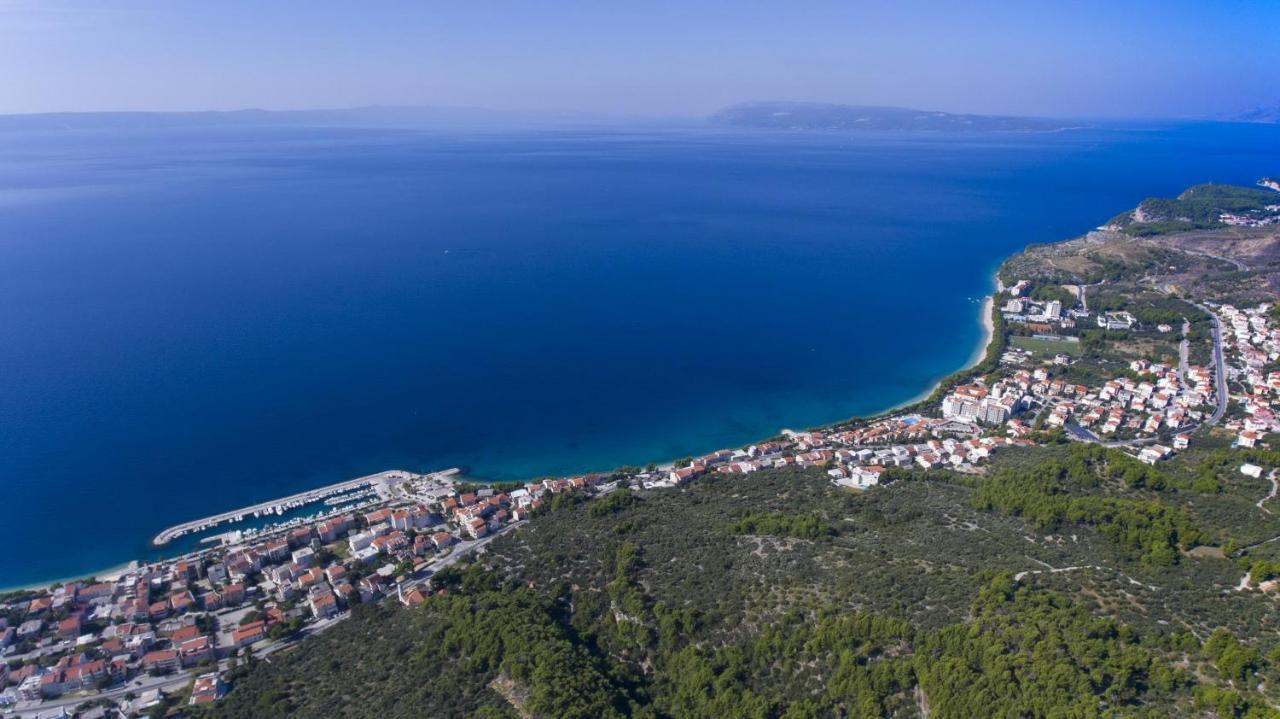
(781, 596)
(817, 116)
(1176, 246)
(1201, 207)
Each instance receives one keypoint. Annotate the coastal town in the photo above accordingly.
(156, 637)
(132, 642)
(1251, 347)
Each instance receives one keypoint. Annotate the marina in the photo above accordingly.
(342, 492)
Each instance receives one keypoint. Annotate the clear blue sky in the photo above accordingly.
(1169, 58)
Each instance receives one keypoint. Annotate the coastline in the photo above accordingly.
(109, 574)
(989, 333)
(980, 353)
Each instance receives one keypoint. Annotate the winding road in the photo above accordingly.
(1219, 368)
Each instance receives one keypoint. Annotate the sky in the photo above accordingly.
(1173, 58)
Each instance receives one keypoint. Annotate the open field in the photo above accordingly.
(1046, 346)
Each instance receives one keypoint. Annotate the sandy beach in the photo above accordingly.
(979, 352)
(106, 575)
(989, 329)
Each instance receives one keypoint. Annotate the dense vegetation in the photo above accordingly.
(1048, 496)
(1197, 207)
(778, 595)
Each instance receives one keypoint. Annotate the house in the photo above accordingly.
(207, 688)
(411, 598)
(304, 556)
(246, 634)
(335, 573)
(194, 651)
(685, 474)
(277, 550)
(1247, 439)
(377, 516)
(323, 605)
(331, 529)
(1153, 453)
(366, 555)
(69, 628)
(182, 602)
(359, 541)
(217, 573)
(1251, 470)
(160, 661)
(101, 590)
(300, 537)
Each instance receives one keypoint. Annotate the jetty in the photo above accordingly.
(378, 482)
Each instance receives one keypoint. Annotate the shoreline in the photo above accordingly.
(987, 318)
(109, 574)
(980, 352)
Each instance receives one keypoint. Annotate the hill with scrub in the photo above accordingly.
(1069, 581)
(1198, 208)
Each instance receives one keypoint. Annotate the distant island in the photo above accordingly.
(821, 116)
(1266, 115)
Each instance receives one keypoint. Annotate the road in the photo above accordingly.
(1075, 431)
(142, 683)
(1219, 369)
(1184, 353)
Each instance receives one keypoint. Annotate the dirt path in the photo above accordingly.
(1274, 488)
(1056, 570)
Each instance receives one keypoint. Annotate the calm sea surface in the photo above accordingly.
(192, 321)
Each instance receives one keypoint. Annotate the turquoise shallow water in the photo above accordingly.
(192, 320)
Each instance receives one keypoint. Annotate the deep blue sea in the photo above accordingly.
(194, 320)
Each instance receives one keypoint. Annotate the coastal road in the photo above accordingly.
(1219, 369)
(136, 686)
(1184, 353)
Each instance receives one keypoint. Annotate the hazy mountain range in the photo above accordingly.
(820, 116)
(1258, 114)
(776, 115)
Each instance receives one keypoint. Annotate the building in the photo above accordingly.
(208, 688)
(247, 634)
(1153, 453)
(160, 661)
(323, 605)
(1116, 320)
